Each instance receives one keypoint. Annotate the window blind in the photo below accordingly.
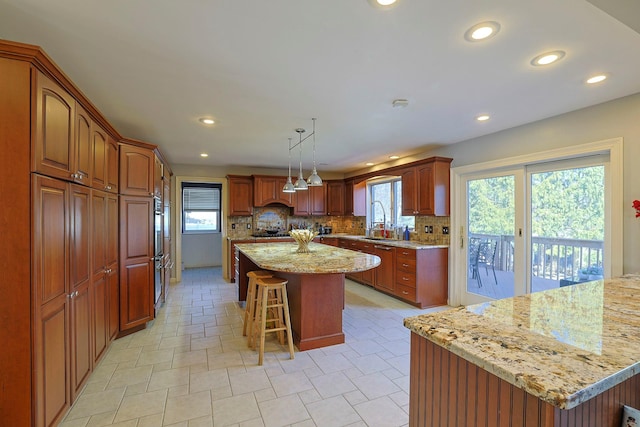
(199, 198)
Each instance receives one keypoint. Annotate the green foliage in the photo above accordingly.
(564, 204)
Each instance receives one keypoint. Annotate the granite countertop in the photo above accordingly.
(323, 259)
(409, 244)
(564, 345)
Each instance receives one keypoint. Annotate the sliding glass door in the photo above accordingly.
(533, 228)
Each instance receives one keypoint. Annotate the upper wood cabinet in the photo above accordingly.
(136, 171)
(157, 177)
(54, 153)
(112, 166)
(99, 141)
(83, 150)
(310, 202)
(267, 189)
(355, 199)
(335, 197)
(425, 188)
(240, 195)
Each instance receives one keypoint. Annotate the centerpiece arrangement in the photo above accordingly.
(303, 237)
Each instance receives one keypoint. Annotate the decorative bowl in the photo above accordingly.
(303, 237)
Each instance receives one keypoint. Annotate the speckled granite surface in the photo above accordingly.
(322, 259)
(410, 244)
(564, 345)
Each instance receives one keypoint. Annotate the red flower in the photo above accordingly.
(636, 206)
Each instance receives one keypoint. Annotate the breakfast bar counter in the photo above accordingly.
(315, 287)
(565, 357)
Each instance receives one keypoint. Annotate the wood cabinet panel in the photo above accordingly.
(355, 198)
(267, 190)
(102, 207)
(83, 150)
(310, 202)
(99, 141)
(136, 291)
(425, 188)
(54, 133)
(113, 291)
(385, 272)
(157, 177)
(335, 197)
(80, 268)
(136, 171)
(240, 195)
(112, 165)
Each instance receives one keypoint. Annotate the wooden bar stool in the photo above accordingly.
(250, 305)
(272, 297)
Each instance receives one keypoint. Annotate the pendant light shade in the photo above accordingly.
(314, 179)
(288, 187)
(300, 184)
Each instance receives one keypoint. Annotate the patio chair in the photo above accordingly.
(474, 248)
(487, 257)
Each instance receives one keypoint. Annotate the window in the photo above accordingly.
(385, 196)
(200, 207)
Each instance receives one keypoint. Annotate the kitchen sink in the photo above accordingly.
(377, 238)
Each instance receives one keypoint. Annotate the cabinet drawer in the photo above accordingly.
(406, 264)
(404, 278)
(406, 253)
(406, 292)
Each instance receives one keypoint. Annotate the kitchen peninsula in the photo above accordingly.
(315, 286)
(564, 357)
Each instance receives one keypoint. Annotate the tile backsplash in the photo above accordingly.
(281, 218)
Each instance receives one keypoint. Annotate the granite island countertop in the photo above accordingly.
(322, 259)
(409, 244)
(563, 346)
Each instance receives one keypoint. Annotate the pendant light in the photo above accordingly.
(300, 184)
(314, 179)
(288, 187)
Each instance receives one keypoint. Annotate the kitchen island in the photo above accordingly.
(564, 357)
(315, 287)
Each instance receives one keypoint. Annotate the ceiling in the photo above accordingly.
(261, 69)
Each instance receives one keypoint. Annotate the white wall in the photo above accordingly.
(202, 250)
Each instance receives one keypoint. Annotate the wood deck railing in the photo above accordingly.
(552, 258)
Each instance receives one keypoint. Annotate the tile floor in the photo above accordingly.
(192, 368)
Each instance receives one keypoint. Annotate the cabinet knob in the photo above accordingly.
(405, 279)
(405, 265)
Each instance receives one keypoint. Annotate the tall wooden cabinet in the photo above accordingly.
(425, 188)
(335, 197)
(59, 180)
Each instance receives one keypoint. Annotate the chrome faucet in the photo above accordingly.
(384, 217)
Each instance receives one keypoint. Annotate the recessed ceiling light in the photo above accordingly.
(400, 103)
(483, 117)
(204, 155)
(206, 121)
(548, 58)
(482, 31)
(596, 79)
(383, 4)
(369, 164)
(394, 157)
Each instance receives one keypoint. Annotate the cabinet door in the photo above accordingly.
(51, 295)
(317, 197)
(83, 155)
(301, 203)
(113, 304)
(80, 268)
(280, 196)
(425, 200)
(99, 142)
(409, 192)
(335, 197)
(240, 195)
(385, 272)
(112, 165)
(136, 171)
(136, 261)
(99, 273)
(54, 132)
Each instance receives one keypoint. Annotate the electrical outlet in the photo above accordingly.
(248, 226)
(431, 229)
(426, 229)
(233, 226)
(445, 230)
